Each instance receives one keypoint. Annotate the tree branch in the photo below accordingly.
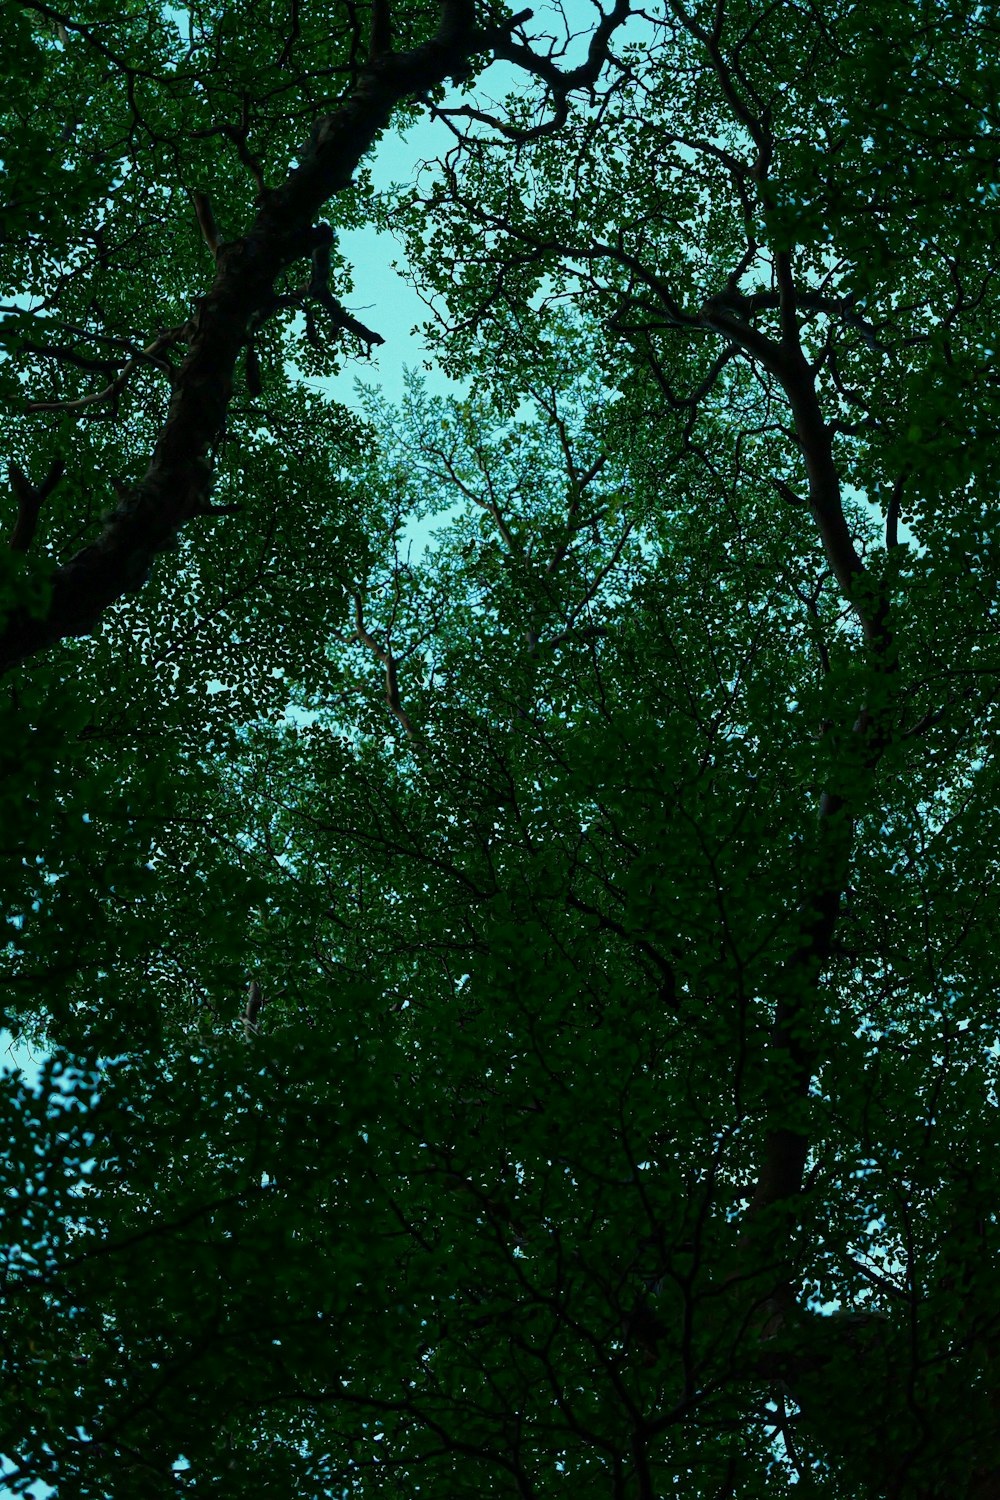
(178, 478)
(30, 501)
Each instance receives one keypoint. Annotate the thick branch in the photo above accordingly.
(176, 484)
(30, 499)
(561, 84)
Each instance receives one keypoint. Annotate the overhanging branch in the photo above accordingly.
(177, 482)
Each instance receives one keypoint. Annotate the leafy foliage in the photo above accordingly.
(617, 871)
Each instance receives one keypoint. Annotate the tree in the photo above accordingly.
(620, 1110)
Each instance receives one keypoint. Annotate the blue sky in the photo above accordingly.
(381, 297)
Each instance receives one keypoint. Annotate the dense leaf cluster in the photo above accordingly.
(617, 870)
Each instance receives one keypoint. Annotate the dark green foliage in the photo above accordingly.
(618, 873)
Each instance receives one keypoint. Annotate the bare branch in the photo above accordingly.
(254, 1006)
(30, 500)
(561, 85)
(113, 390)
(385, 656)
(206, 222)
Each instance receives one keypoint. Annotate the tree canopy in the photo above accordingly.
(518, 1013)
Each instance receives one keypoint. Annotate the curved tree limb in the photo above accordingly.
(177, 482)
